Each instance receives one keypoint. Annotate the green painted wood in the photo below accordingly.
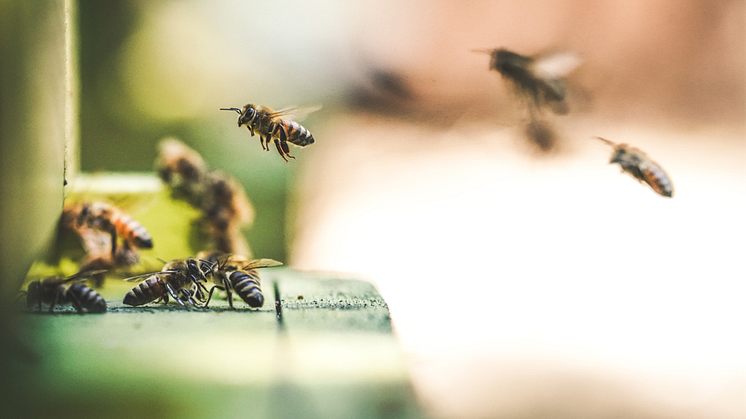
(334, 356)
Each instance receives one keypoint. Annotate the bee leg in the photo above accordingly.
(77, 306)
(54, 303)
(189, 298)
(173, 295)
(286, 149)
(76, 303)
(230, 299)
(113, 232)
(279, 150)
(209, 296)
(200, 289)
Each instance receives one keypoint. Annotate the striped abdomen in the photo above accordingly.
(130, 230)
(247, 285)
(654, 176)
(639, 165)
(296, 133)
(147, 291)
(86, 297)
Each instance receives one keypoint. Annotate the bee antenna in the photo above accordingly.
(484, 51)
(611, 143)
(231, 109)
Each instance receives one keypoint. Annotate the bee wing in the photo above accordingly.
(555, 65)
(262, 263)
(82, 276)
(147, 275)
(297, 113)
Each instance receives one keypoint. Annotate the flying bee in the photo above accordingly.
(226, 209)
(641, 167)
(538, 77)
(58, 290)
(235, 273)
(220, 197)
(110, 219)
(182, 169)
(276, 126)
(179, 278)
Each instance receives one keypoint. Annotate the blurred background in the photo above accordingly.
(521, 283)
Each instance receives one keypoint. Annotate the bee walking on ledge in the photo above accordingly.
(57, 290)
(180, 276)
(277, 126)
(641, 167)
(235, 273)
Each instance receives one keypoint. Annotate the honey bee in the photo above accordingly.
(641, 167)
(179, 278)
(220, 197)
(237, 274)
(182, 169)
(110, 219)
(58, 290)
(275, 125)
(226, 209)
(539, 77)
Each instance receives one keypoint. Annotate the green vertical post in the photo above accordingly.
(37, 116)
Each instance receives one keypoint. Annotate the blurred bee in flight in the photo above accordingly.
(539, 80)
(641, 167)
(220, 197)
(57, 290)
(276, 126)
(226, 209)
(235, 273)
(182, 169)
(180, 279)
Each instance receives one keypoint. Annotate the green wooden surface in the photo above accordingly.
(334, 357)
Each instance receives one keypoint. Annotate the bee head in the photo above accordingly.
(194, 271)
(247, 115)
(620, 153)
(508, 63)
(85, 210)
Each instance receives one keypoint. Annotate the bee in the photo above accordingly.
(539, 77)
(58, 290)
(182, 169)
(110, 219)
(226, 209)
(270, 125)
(641, 167)
(237, 274)
(220, 197)
(179, 278)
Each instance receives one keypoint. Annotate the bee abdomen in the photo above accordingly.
(298, 134)
(149, 290)
(89, 299)
(658, 180)
(246, 285)
(133, 232)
